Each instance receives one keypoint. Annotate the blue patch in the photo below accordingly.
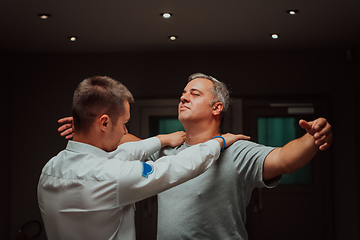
(147, 169)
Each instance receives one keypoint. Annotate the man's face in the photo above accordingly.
(195, 101)
(119, 130)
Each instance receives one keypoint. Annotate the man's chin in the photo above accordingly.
(183, 119)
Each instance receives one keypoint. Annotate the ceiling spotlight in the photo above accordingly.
(173, 38)
(166, 15)
(275, 36)
(44, 16)
(73, 38)
(292, 12)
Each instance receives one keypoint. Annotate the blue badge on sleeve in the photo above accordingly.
(147, 170)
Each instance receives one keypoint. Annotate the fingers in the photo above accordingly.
(243, 137)
(324, 142)
(172, 139)
(65, 126)
(65, 120)
(320, 129)
(181, 134)
(231, 138)
(67, 129)
(66, 132)
(323, 135)
(323, 131)
(304, 124)
(324, 146)
(317, 128)
(69, 136)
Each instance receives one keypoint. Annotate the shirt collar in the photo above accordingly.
(85, 148)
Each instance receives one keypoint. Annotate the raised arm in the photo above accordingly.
(67, 130)
(299, 152)
(129, 138)
(173, 139)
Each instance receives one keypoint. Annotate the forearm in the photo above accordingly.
(289, 158)
(168, 140)
(164, 139)
(297, 153)
(129, 138)
(167, 171)
(137, 150)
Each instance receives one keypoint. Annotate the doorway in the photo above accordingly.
(300, 207)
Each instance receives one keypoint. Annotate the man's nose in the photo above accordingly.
(184, 98)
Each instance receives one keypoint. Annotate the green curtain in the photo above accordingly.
(170, 125)
(276, 132)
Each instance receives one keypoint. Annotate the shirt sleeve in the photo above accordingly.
(136, 150)
(249, 160)
(139, 180)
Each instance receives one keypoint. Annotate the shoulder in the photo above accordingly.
(243, 149)
(85, 166)
(243, 144)
(169, 151)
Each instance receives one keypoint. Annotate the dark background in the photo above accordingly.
(37, 90)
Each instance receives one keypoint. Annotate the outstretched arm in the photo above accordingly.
(298, 152)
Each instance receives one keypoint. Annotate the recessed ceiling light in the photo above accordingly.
(73, 38)
(44, 16)
(166, 15)
(275, 36)
(173, 38)
(292, 12)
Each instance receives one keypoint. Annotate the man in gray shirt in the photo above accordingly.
(212, 206)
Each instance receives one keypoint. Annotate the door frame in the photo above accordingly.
(322, 191)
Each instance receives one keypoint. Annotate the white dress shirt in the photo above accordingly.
(87, 193)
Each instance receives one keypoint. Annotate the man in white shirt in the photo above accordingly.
(89, 189)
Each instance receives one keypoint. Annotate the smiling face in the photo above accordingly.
(194, 103)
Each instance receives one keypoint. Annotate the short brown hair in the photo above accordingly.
(96, 96)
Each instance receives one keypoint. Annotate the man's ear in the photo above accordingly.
(103, 122)
(217, 108)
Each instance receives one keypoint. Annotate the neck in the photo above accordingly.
(195, 135)
(78, 137)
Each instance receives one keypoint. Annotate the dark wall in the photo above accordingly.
(43, 84)
(5, 145)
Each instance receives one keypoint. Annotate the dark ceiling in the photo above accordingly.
(136, 25)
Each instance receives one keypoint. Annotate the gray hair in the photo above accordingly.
(220, 92)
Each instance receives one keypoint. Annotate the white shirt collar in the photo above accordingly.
(85, 148)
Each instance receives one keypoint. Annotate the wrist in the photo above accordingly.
(164, 140)
(222, 142)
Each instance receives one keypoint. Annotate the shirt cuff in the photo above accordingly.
(214, 146)
(152, 144)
